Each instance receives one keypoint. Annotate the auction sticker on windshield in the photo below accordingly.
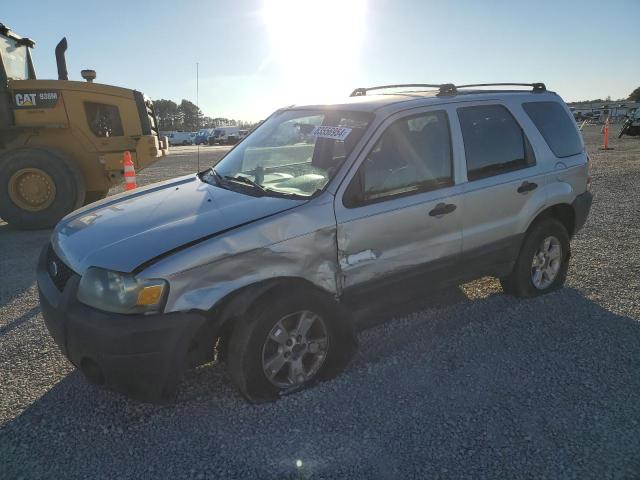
(335, 133)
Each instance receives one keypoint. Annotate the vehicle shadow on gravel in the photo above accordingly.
(17, 250)
(472, 383)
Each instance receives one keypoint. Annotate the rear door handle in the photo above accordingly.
(527, 187)
(442, 209)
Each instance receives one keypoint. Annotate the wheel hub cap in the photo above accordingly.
(546, 263)
(295, 349)
(32, 189)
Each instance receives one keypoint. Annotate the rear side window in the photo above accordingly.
(558, 130)
(494, 143)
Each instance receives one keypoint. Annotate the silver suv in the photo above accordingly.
(262, 258)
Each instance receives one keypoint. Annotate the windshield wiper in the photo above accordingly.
(204, 176)
(278, 193)
(216, 176)
(223, 181)
(246, 181)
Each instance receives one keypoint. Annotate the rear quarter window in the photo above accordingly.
(555, 126)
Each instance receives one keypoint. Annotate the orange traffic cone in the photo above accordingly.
(605, 130)
(129, 172)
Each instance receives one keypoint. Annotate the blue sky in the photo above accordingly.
(256, 56)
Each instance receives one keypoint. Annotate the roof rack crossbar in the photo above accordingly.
(442, 87)
(537, 87)
(448, 88)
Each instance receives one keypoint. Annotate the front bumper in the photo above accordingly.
(143, 356)
(582, 207)
(149, 149)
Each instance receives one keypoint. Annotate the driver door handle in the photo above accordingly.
(526, 187)
(442, 209)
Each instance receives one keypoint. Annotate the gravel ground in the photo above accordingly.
(469, 383)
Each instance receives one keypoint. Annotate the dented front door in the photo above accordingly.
(398, 237)
(405, 217)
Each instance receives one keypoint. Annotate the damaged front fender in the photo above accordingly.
(299, 243)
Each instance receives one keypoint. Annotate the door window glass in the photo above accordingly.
(494, 143)
(412, 155)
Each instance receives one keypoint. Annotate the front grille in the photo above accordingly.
(59, 272)
(146, 113)
(151, 113)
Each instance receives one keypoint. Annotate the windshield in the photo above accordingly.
(14, 59)
(296, 152)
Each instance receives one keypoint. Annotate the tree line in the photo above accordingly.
(633, 96)
(187, 117)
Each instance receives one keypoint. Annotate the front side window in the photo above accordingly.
(14, 58)
(104, 120)
(555, 126)
(295, 152)
(413, 155)
(494, 143)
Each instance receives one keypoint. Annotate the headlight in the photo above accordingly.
(121, 292)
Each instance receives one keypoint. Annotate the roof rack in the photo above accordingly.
(448, 88)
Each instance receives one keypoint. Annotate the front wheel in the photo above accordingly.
(286, 342)
(543, 261)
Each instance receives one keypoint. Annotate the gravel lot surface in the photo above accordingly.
(468, 383)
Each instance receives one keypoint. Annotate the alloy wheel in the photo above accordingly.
(546, 263)
(295, 349)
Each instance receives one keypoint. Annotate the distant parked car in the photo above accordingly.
(202, 137)
(181, 138)
(224, 135)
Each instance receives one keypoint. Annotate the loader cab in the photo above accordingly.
(15, 55)
(15, 64)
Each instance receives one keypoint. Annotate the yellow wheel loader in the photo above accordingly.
(62, 141)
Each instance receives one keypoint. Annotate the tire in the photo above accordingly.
(62, 173)
(95, 195)
(248, 346)
(521, 282)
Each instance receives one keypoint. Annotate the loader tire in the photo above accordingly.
(38, 187)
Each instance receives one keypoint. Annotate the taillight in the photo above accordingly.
(588, 172)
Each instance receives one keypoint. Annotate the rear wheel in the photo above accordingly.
(38, 188)
(543, 261)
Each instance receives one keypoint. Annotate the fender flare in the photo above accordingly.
(224, 313)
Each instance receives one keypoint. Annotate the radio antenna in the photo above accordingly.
(198, 109)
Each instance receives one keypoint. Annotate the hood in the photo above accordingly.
(123, 232)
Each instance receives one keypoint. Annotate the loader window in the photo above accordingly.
(14, 58)
(104, 120)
